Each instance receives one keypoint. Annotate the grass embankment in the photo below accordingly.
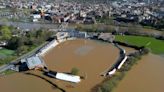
(7, 72)
(155, 46)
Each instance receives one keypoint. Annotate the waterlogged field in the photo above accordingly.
(156, 46)
(146, 76)
(21, 82)
(91, 58)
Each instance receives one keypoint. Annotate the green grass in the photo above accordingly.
(6, 52)
(156, 46)
(8, 72)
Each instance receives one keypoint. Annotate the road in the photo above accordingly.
(5, 67)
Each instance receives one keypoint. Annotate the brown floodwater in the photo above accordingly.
(90, 57)
(20, 82)
(128, 50)
(146, 76)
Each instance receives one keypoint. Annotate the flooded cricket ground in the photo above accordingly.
(92, 58)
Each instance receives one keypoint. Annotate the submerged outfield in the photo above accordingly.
(90, 57)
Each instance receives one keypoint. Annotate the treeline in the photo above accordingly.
(130, 29)
(157, 24)
(28, 41)
(6, 32)
(136, 33)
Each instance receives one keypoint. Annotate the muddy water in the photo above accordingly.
(20, 82)
(146, 76)
(128, 50)
(90, 57)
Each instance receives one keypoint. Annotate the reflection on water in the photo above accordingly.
(146, 76)
(83, 50)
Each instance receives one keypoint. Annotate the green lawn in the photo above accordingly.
(156, 46)
(6, 52)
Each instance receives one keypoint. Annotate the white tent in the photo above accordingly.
(67, 77)
(123, 61)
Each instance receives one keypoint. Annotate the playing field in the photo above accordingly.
(156, 46)
(91, 58)
(5, 52)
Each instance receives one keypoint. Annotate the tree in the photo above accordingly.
(79, 27)
(145, 51)
(22, 50)
(74, 71)
(5, 33)
(14, 43)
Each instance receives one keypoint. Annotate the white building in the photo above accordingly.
(3, 43)
(62, 35)
(36, 16)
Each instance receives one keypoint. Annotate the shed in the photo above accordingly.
(34, 62)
